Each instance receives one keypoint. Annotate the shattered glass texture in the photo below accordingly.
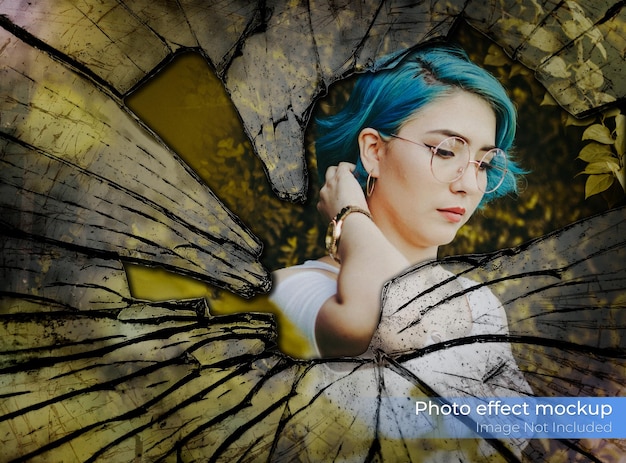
(87, 373)
(117, 45)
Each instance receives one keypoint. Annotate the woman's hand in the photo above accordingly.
(340, 189)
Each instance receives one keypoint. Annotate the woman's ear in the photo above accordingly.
(371, 149)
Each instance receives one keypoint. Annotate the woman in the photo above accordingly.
(415, 151)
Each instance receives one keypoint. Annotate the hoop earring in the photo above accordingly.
(369, 185)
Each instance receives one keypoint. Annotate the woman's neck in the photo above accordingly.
(416, 255)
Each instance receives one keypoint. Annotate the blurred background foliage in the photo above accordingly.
(188, 108)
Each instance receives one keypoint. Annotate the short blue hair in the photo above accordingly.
(387, 99)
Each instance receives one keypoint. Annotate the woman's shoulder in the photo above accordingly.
(488, 312)
(478, 290)
(300, 291)
(321, 266)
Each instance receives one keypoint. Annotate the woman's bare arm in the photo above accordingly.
(347, 321)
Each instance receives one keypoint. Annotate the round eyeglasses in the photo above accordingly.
(451, 158)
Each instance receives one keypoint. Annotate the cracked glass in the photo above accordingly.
(96, 189)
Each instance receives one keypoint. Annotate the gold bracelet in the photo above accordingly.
(333, 233)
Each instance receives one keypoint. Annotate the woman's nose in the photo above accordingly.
(468, 181)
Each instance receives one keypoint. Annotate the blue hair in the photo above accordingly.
(387, 99)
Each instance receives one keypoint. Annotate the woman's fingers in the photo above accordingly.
(342, 168)
(345, 168)
(348, 165)
(330, 173)
(340, 189)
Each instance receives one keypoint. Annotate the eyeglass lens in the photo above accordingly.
(451, 158)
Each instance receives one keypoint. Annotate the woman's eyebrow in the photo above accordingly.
(452, 133)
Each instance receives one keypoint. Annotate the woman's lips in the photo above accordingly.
(453, 214)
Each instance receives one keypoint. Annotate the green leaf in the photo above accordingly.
(496, 57)
(621, 176)
(571, 120)
(595, 152)
(556, 67)
(597, 184)
(518, 69)
(540, 38)
(589, 76)
(548, 100)
(602, 98)
(620, 131)
(601, 167)
(611, 112)
(599, 133)
(567, 94)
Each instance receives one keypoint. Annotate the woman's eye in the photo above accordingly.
(443, 153)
